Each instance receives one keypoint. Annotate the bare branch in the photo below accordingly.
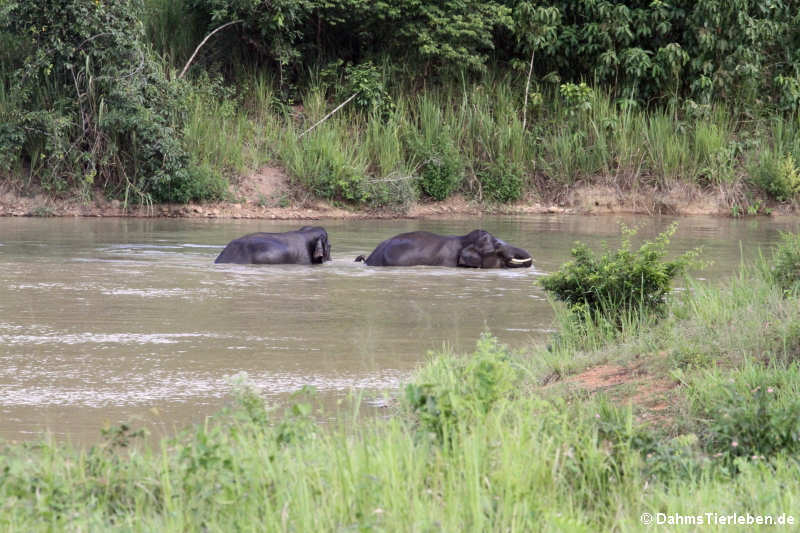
(92, 38)
(186, 67)
(527, 89)
(326, 117)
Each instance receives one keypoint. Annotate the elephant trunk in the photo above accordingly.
(515, 257)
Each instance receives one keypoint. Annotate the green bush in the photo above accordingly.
(91, 103)
(620, 282)
(367, 81)
(501, 181)
(441, 169)
(785, 267)
(192, 183)
(327, 164)
(752, 412)
(462, 391)
(777, 174)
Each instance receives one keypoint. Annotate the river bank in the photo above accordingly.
(268, 194)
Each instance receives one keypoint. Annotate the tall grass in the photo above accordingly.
(468, 138)
(173, 28)
(220, 136)
(463, 137)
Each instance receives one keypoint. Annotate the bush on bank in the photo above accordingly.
(86, 103)
(620, 284)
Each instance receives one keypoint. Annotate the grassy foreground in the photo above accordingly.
(707, 421)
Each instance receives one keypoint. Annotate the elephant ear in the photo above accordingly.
(319, 250)
(469, 257)
(484, 243)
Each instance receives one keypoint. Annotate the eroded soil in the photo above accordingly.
(649, 390)
(268, 194)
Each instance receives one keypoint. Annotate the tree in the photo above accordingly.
(535, 28)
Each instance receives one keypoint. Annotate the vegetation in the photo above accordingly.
(85, 103)
(706, 422)
(495, 100)
(618, 283)
(785, 265)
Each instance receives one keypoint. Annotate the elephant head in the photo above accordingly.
(319, 245)
(483, 250)
(322, 250)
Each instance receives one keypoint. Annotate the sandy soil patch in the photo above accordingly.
(681, 199)
(647, 392)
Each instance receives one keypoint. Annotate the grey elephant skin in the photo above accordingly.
(477, 249)
(306, 246)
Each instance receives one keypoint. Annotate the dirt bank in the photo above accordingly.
(267, 194)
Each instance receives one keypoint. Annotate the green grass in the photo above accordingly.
(474, 443)
(464, 135)
(219, 133)
(173, 29)
(469, 139)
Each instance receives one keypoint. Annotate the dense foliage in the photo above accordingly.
(293, 35)
(86, 102)
(785, 266)
(618, 282)
(492, 99)
(746, 50)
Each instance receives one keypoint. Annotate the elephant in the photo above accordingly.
(477, 249)
(306, 246)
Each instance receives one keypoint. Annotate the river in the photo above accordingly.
(111, 320)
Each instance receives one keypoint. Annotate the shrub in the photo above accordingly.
(777, 174)
(440, 166)
(785, 268)
(461, 391)
(501, 181)
(368, 82)
(618, 283)
(752, 412)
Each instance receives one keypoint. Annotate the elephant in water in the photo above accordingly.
(306, 246)
(477, 249)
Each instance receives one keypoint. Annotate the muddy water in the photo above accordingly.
(110, 320)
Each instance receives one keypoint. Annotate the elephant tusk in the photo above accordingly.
(515, 261)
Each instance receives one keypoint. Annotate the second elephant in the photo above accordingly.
(477, 249)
